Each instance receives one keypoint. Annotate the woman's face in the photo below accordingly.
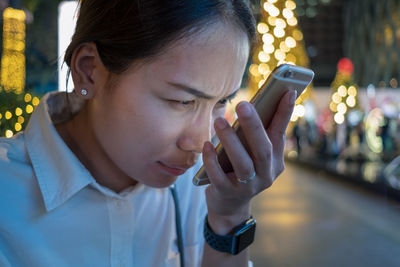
(153, 121)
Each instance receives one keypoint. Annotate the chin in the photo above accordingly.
(160, 181)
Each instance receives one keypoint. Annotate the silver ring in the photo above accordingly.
(244, 181)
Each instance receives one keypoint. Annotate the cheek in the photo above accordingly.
(140, 131)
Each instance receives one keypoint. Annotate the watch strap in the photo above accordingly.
(230, 243)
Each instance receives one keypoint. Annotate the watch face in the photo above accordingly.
(246, 237)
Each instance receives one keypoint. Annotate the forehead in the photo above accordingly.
(213, 58)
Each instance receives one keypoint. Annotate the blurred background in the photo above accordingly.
(337, 203)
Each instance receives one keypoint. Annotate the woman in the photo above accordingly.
(88, 182)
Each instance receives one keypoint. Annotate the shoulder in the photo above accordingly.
(15, 165)
(18, 186)
(12, 151)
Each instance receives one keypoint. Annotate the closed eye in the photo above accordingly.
(225, 101)
(182, 103)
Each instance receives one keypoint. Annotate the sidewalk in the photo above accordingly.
(310, 218)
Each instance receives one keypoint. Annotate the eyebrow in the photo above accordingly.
(198, 93)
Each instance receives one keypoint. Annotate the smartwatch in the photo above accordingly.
(239, 238)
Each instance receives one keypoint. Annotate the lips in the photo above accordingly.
(174, 169)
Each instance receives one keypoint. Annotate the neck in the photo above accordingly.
(79, 136)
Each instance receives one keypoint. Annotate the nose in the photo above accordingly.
(196, 133)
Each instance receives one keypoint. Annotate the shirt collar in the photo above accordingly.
(59, 172)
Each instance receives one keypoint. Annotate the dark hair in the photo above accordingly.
(128, 30)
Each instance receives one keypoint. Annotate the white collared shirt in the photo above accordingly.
(53, 212)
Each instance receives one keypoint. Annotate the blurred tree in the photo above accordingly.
(41, 44)
(281, 41)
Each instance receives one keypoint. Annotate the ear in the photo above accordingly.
(86, 66)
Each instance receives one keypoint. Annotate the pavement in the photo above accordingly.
(312, 218)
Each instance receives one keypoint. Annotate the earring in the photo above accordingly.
(84, 92)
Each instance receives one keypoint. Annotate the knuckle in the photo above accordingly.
(263, 153)
(207, 160)
(280, 134)
(253, 124)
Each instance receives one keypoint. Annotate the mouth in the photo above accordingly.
(173, 170)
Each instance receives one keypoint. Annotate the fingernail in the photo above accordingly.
(221, 123)
(244, 109)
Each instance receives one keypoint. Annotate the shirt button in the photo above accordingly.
(119, 203)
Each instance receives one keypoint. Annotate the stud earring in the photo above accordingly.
(84, 92)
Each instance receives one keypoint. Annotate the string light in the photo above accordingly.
(263, 68)
(292, 21)
(271, 21)
(21, 120)
(271, 9)
(35, 101)
(290, 42)
(281, 42)
(12, 74)
(29, 109)
(13, 58)
(8, 115)
(351, 101)
(280, 23)
(13, 118)
(262, 28)
(342, 108)
(339, 118)
(342, 91)
(268, 48)
(18, 111)
(9, 133)
(279, 32)
(298, 35)
(291, 5)
(254, 70)
(287, 13)
(284, 47)
(336, 98)
(279, 55)
(268, 38)
(352, 91)
(344, 95)
(28, 98)
(263, 57)
(18, 127)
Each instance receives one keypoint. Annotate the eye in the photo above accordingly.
(186, 103)
(182, 103)
(222, 103)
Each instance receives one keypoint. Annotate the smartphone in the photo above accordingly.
(283, 78)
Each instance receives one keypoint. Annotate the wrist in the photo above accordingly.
(233, 243)
(223, 224)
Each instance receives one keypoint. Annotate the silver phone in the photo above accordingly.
(282, 79)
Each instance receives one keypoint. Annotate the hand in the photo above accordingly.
(228, 200)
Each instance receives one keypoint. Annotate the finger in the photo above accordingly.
(238, 156)
(214, 171)
(259, 145)
(277, 129)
